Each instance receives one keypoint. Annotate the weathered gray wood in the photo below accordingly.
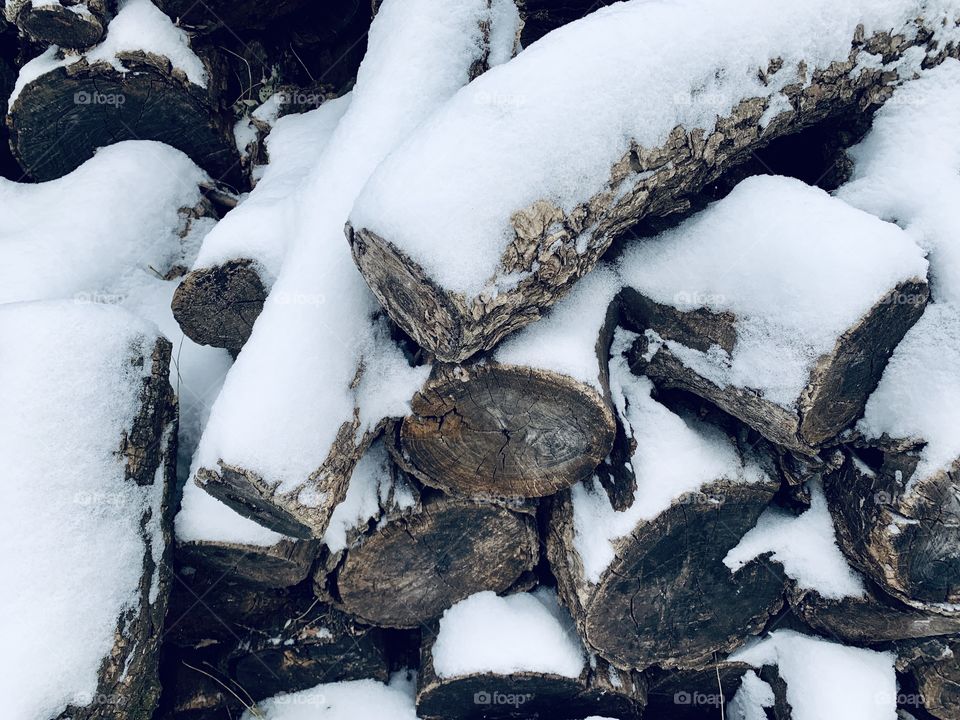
(65, 23)
(217, 306)
(934, 668)
(904, 533)
(495, 429)
(839, 384)
(60, 118)
(646, 182)
(413, 568)
(667, 599)
(600, 690)
(274, 566)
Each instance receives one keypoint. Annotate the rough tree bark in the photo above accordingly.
(274, 566)
(67, 24)
(217, 306)
(414, 567)
(934, 668)
(600, 690)
(901, 531)
(532, 419)
(838, 386)
(645, 182)
(60, 118)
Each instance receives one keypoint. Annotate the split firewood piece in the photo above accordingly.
(355, 699)
(532, 419)
(460, 260)
(647, 584)
(824, 679)
(518, 656)
(331, 367)
(265, 641)
(142, 82)
(411, 568)
(88, 449)
(212, 535)
(234, 17)
(66, 24)
(543, 16)
(741, 306)
(934, 667)
(692, 694)
(220, 299)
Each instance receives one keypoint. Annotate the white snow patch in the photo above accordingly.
(806, 546)
(796, 267)
(825, 679)
(370, 481)
(342, 701)
(751, 698)
(526, 632)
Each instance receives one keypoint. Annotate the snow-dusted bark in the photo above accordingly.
(318, 375)
(71, 24)
(567, 148)
(780, 304)
(87, 440)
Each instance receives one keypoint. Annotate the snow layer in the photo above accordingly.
(825, 679)
(806, 546)
(69, 520)
(290, 389)
(350, 700)
(526, 632)
(751, 698)
(565, 340)
(674, 458)
(260, 226)
(552, 121)
(919, 393)
(70, 238)
(796, 267)
(908, 170)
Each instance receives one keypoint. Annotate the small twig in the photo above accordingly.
(257, 712)
(716, 666)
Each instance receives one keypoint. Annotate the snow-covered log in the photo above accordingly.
(318, 375)
(142, 82)
(356, 699)
(389, 575)
(518, 656)
(220, 299)
(87, 440)
(68, 24)
(647, 584)
(823, 679)
(780, 304)
(569, 148)
(533, 418)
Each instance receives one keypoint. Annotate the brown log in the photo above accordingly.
(274, 566)
(413, 568)
(934, 668)
(902, 532)
(543, 16)
(839, 384)
(69, 24)
(697, 694)
(80, 107)
(217, 306)
(526, 430)
(600, 690)
(235, 17)
(546, 253)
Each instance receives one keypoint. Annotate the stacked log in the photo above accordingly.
(70, 24)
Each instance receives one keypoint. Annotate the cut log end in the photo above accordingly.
(274, 566)
(55, 24)
(217, 306)
(416, 567)
(508, 431)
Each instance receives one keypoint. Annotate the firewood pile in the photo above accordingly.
(480, 359)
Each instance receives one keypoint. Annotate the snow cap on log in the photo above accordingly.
(223, 295)
(71, 238)
(343, 701)
(619, 571)
(77, 24)
(779, 303)
(88, 441)
(518, 655)
(318, 376)
(826, 679)
(535, 417)
(465, 242)
(142, 82)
